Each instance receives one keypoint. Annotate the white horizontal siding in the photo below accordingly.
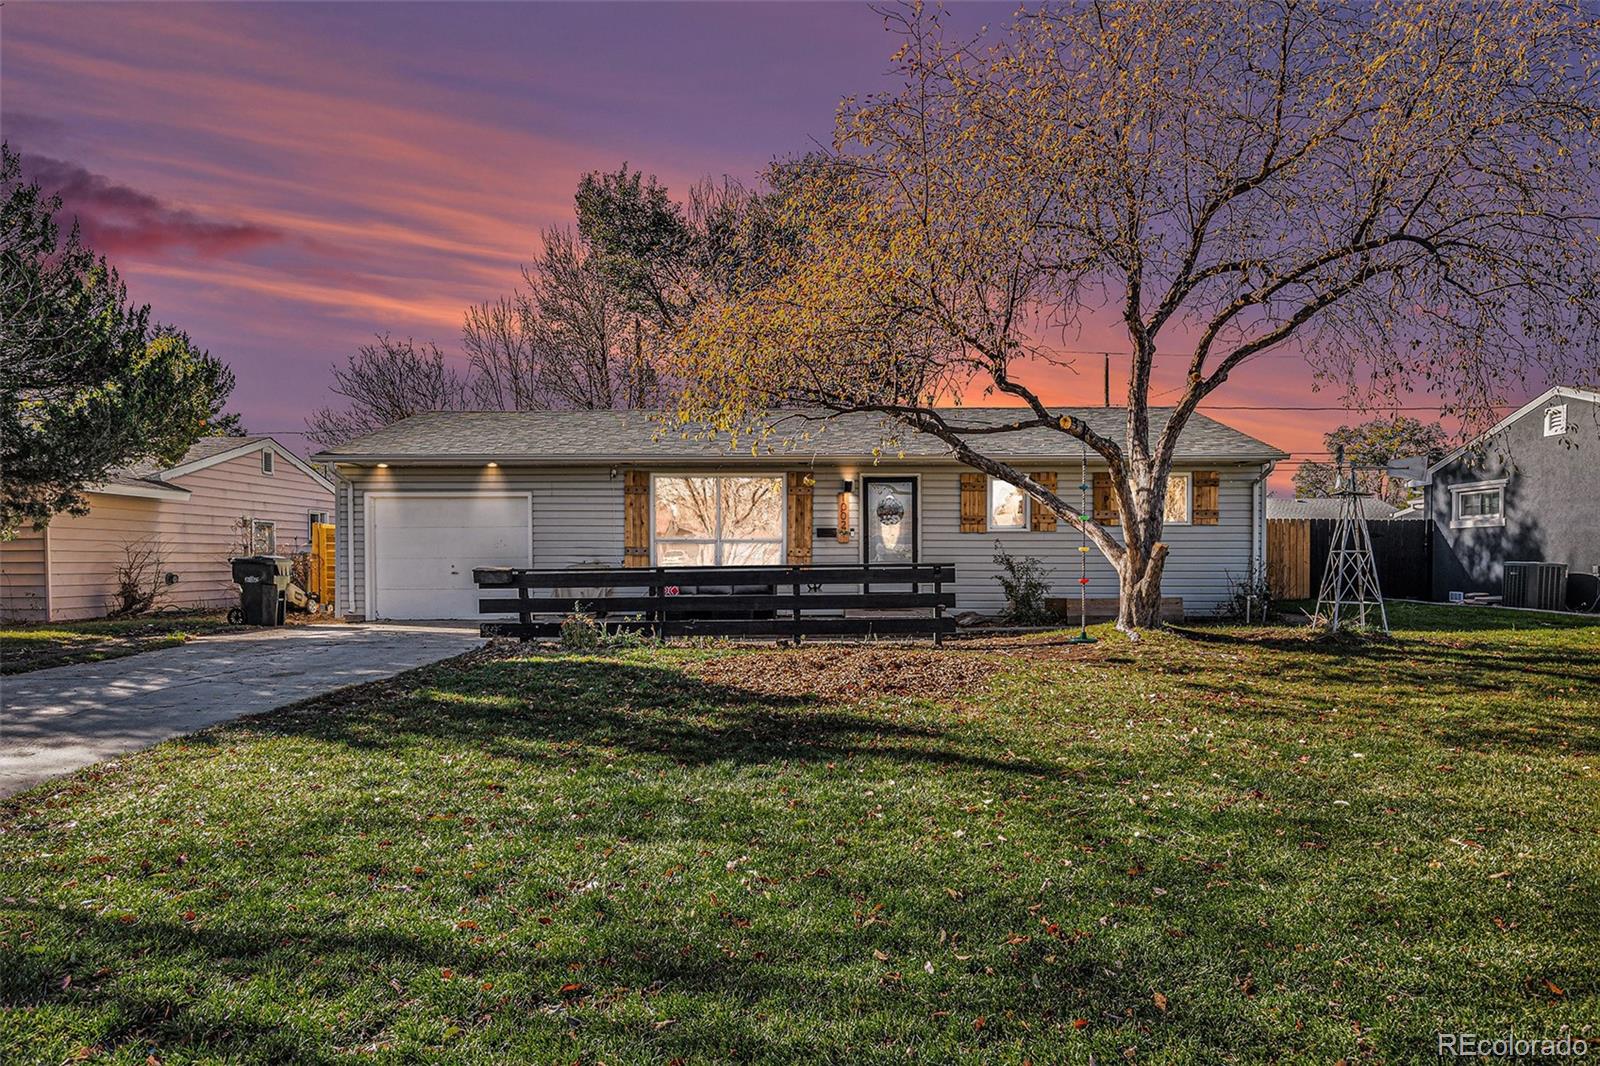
(577, 520)
(193, 537)
(577, 513)
(24, 592)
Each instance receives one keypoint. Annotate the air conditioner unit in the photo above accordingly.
(1538, 585)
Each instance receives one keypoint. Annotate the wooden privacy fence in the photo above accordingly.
(722, 601)
(1289, 558)
(1297, 555)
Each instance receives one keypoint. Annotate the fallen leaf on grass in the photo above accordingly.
(1161, 1002)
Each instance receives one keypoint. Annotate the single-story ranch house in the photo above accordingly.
(227, 496)
(425, 500)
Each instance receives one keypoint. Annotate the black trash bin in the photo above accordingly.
(263, 582)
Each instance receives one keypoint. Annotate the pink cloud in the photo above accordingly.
(118, 219)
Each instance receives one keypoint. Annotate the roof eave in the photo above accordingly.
(504, 459)
(150, 491)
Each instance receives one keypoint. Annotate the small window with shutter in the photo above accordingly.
(1008, 506)
(1177, 507)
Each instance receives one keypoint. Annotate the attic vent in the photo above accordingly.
(1555, 420)
(266, 461)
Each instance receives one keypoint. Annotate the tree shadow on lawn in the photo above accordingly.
(800, 953)
(544, 707)
(1472, 695)
(568, 999)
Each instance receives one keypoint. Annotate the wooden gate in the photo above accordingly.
(1297, 554)
(1289, 558)
(321, 577)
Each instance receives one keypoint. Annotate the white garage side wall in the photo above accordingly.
(24, 591)
(195, 536)
(577, 520)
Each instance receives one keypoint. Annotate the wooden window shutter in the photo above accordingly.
(1043, 520)
(1207, 493)
(799, 511)
(635, 518)
(1107, 510)
(974, 503)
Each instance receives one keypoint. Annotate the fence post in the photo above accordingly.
(524, 616)
(794, 573)
(938, 607)
(658, 591)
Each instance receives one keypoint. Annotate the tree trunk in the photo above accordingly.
(1140, 591)
(1139, 571)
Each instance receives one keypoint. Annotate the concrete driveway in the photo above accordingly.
(57, 720)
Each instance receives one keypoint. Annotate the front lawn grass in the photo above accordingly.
(1218, 845)
(36, 645)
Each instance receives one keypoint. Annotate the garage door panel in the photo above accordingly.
(425, 548)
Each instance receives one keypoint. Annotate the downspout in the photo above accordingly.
(349, 546)
(49, 578)
(1258, 548)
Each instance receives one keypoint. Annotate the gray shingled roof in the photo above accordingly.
(601, 436)
(203, 448)
(1325, 508)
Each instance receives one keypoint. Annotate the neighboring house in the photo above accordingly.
(1528, 489)
(228, 496)
(425, 500)
(1372, 509)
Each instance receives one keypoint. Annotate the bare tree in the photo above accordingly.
(384, 382)
(1405, 193)
(566, 341)
(141, 578)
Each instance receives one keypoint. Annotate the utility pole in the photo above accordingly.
(1108, 377)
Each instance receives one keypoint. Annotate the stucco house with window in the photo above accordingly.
(1528, 489)
(227, 496)
(425, 500)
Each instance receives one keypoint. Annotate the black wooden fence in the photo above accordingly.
(1402, 548)
(723, 601)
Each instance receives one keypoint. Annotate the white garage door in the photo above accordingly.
(424, 548)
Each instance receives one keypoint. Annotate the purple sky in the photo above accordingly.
(285, 180)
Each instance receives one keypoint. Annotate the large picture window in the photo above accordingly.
(718, 521)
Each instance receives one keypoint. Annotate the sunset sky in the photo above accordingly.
(283, 181)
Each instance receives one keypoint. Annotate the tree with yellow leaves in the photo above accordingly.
(1402, 191)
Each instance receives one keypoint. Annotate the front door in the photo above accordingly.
(889, 511)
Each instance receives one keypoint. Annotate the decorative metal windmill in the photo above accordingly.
(1350, 589)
